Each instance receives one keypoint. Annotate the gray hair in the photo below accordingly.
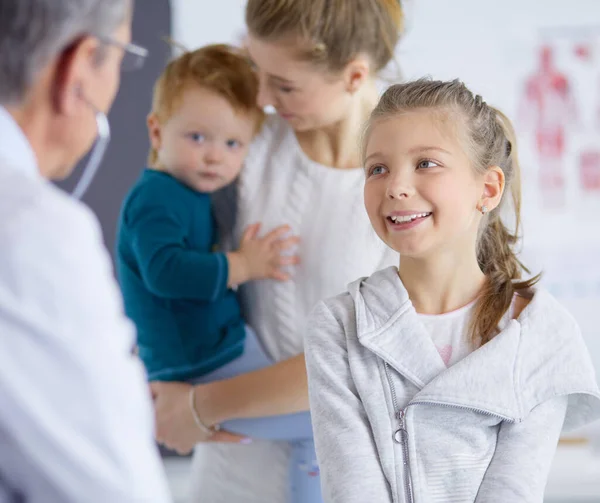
(32, 32)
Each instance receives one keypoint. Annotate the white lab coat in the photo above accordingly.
(76, 419)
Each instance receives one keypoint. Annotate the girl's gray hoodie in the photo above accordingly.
(393, 424)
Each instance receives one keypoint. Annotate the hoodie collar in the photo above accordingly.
(387, 323)
(506, 377)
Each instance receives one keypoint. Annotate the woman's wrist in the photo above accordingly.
(206, 405)
(201, 423)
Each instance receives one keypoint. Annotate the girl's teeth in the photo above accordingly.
(408, 218)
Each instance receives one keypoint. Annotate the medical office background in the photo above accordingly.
(537, 60)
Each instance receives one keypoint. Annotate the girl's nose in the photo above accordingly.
(399, 187)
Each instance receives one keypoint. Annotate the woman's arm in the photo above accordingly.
(524, 452)
(279, 389)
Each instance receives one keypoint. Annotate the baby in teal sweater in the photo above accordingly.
(177, 287)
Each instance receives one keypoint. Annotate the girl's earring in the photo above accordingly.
(484, 209)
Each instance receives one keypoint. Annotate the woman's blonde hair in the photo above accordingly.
(334, 31)
(489, 140)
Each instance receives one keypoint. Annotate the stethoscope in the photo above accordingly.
(98, 151)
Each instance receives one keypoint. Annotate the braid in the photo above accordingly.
(495, 254)
(501, 266)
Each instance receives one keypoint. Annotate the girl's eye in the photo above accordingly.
(197, 137)
(426, 163)
(377, 170)
(285, 89)
(233, 144)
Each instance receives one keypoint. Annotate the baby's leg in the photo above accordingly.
(305, 479)
(291, 427)
(287, 427)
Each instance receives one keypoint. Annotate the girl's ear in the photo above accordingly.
(493, 187)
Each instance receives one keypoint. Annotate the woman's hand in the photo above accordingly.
(175, 426)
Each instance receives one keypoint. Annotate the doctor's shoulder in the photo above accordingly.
(51, 246)
(61, 222)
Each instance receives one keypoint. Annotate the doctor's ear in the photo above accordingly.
(71, 72)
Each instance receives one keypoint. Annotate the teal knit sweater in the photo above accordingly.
(174, 284)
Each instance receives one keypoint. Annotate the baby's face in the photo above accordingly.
(204, 142)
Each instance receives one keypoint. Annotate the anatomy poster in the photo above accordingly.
(548, 110)
(557, 117)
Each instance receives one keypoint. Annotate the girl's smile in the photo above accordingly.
(405, 220)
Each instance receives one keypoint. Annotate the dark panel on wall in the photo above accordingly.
(128, 149)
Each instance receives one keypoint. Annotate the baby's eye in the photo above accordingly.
(197, 137)
(234, 143)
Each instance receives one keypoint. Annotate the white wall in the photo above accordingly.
(200, 22)
(491, 45)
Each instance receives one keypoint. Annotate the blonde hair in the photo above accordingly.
(490, 141)
(220, 68)
(334, 31)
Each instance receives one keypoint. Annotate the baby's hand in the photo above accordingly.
(262, 258)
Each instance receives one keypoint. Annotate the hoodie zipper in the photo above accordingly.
(401, 437)
(401, 434)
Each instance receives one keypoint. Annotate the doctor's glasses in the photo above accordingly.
(134, 55)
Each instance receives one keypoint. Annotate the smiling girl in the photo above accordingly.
(449, 378)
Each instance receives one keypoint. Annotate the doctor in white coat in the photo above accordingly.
(76, 420)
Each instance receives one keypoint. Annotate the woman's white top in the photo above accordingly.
(324, 206)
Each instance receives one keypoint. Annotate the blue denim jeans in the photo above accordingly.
(305, 482)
